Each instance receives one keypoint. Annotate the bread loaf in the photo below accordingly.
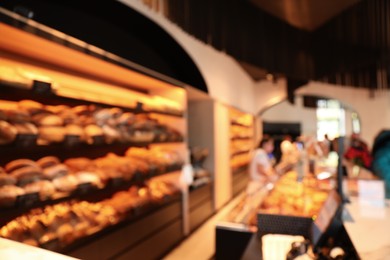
(8, 132)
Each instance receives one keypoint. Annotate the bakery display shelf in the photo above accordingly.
(240, 152)
(240, 169)
(44, 94)
(84, 191)
(131, 217)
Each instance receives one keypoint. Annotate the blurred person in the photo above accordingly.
(290, 154)
(357, 153)
(261, 168)
(381, 158)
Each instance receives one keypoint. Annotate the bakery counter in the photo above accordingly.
(368, 226)
(10, 250)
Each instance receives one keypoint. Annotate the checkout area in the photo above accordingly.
(294, 218)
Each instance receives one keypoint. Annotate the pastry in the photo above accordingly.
(65, 183)
(88, 177)
(18, 116)
(55, 171)
(31, 106)
(45, 189)
(8, 132)
(73, 129)
(26, 129)
(8, 195)
(27, 174)
(6, 179)
(51, 134)
(48, 161)
(46, 119)
(111, 134)
(79, 164)
(94, 134)
(65, 234)
(19, 163)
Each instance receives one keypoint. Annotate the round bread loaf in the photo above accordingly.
(48, 161)
(47, 119)
(18, 116)
(55, 171)
(6, 179)
(32, 107)
(19, 163)
(27, 174)
(8, 132)
(26, 129)
(51, 134)
(45, 189)
(8, 195)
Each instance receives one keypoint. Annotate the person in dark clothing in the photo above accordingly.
(381, 158)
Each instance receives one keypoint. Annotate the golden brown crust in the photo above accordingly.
(8, 132)
(19, 163)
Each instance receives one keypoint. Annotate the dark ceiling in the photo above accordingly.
(345, 42)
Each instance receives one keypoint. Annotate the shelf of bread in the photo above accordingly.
(61, 226)
(241, 139)
(30, 123)
(240, 119)
(86, 144)
(26, 183)
(241, 133)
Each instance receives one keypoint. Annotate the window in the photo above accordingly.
(330, 119)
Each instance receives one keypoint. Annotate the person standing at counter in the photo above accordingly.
(261, 166)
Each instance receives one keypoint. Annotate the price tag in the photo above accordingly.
(84, 188)
(41, 87)
(371, 192)
(372, 203)
(27, 200)
(116, 182)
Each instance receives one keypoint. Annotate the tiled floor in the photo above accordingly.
(200, 245)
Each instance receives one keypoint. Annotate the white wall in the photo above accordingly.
(374, 112)
(268, 93)
(226, 79)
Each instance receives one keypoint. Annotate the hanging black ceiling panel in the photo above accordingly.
(351, 48)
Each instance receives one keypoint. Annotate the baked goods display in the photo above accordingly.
(27, 122)
(290, 197)
(241, 139)
(55, 227)
(50, 178)
(240, 146)
(239, 131)
(240, 160)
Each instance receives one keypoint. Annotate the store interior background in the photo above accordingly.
(215, 78)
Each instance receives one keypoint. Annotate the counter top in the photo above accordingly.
(11, 250)
(368, 226)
